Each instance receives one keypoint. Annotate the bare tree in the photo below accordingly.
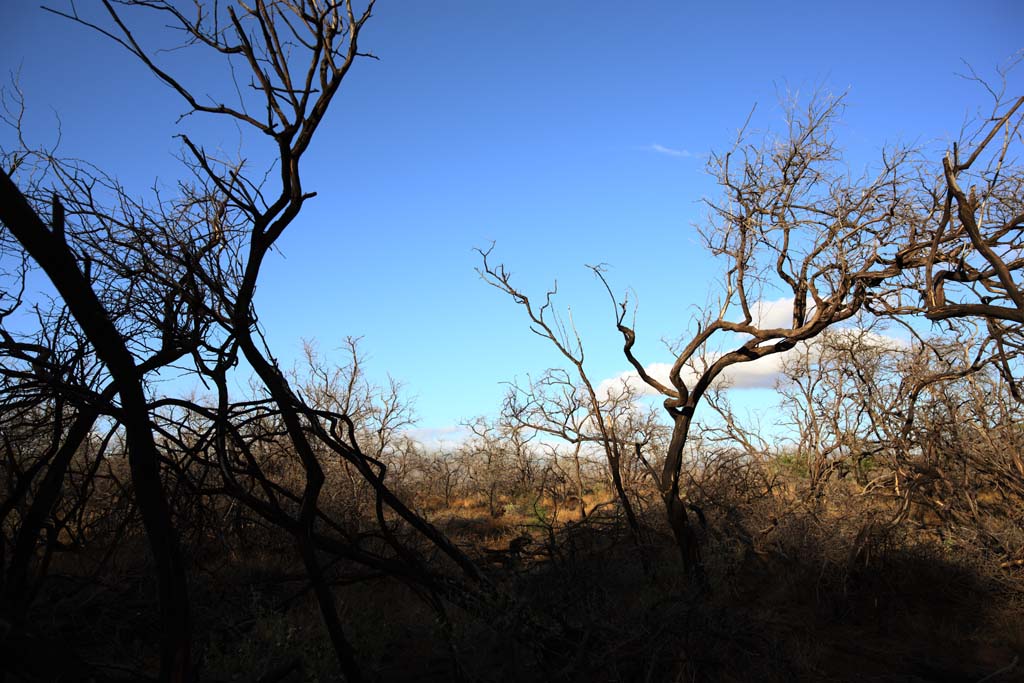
(958, 255)
(791, 220)
(834, 390)
(48, 246)
(561, 403)
(150, 283)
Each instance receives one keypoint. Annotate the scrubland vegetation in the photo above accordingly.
(293, 531)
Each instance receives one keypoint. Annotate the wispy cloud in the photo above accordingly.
(671, 151)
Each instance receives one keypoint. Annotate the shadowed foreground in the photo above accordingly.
(818, 598)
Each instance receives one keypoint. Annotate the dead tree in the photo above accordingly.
(151, 283)
(563, 404)
(958, 255)
(47, 245)
(790, 222)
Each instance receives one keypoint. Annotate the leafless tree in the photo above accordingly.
(563, 403)
(791, 220)
(171, 281)
(833, 389)
(958, 256)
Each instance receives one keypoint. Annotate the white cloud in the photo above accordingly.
(672, 152)
(630, 380)
(757, 374)
(760, 373)
(772, 314)
(438, 437)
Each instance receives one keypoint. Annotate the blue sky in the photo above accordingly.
(566, 132)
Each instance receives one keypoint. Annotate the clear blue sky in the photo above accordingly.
(533, 124)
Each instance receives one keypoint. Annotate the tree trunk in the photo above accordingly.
(54, 256)
(675, 507)
(685, 537)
